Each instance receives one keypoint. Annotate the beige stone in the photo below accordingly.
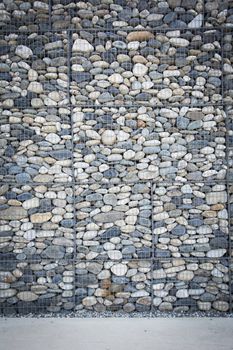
(39, 218)
(140, 36)
(27, 296)
(185, 275)
(13, 213)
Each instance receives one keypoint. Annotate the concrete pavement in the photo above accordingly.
(116, 334)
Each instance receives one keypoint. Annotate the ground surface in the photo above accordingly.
(116, 334)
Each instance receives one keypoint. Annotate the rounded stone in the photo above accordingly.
(108, 137)
(164, 94)
(119, 269)
(27, 296)
(139, 70)
(53, 138)
(23, 51)
(110, 199)
(116, 78)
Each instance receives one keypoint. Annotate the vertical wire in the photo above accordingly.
(69, 49)
(228, 211)
(153, 247)
(50, 14)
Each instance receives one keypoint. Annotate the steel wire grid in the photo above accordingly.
(195, 79)
(70, 280)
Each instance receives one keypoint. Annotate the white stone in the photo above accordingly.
(23, 51)
(161, 216)
(216, 253)
(93, 134)
(139, 70)
(114, 254)
(147, 85)
(77, 68)
(157, 301)
(32, 75)
(122, 136)
(30, 235)
(168, 113)
(36, 87)
(148, 175)
(53, 138)
(185, 275)
(82, 45)
(186, 189)
(31, 203)
(40, 5)
(216, 197)
(158, 274)
(89, 301)
(77, 117)
(207, 150)
(133, 45)
(182, 293)
(54, 95)
(37, 103)
(227, 68)
(179, 42)
(164, 94)
(104, 274)
(116, 78)
(196, 22)
(108, 137)
(129, 154)
(171, 73)
(119, 269)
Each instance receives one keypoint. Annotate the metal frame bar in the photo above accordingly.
(69, 50)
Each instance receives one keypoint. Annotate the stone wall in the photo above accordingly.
(116, 171)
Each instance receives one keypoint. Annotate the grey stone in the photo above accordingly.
(13, 213)
(179, 230)
(81, 77)
(109, 233)
(94, 197)
(182, 122)
(23, 178)
(54, 252)
(61, 154)
(105, 97)
(67, 223)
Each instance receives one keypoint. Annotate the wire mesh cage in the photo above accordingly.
(35, 287)
(34, 70)
(36, 145)
(113, 221)
(165, 67)
(218, 13)
(189, 285)
(149, 143)
(113, 286)
(37, 222)
(21, 15)
(127, 14)
(190, 220)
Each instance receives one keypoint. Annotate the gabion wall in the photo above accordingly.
(116, 170)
